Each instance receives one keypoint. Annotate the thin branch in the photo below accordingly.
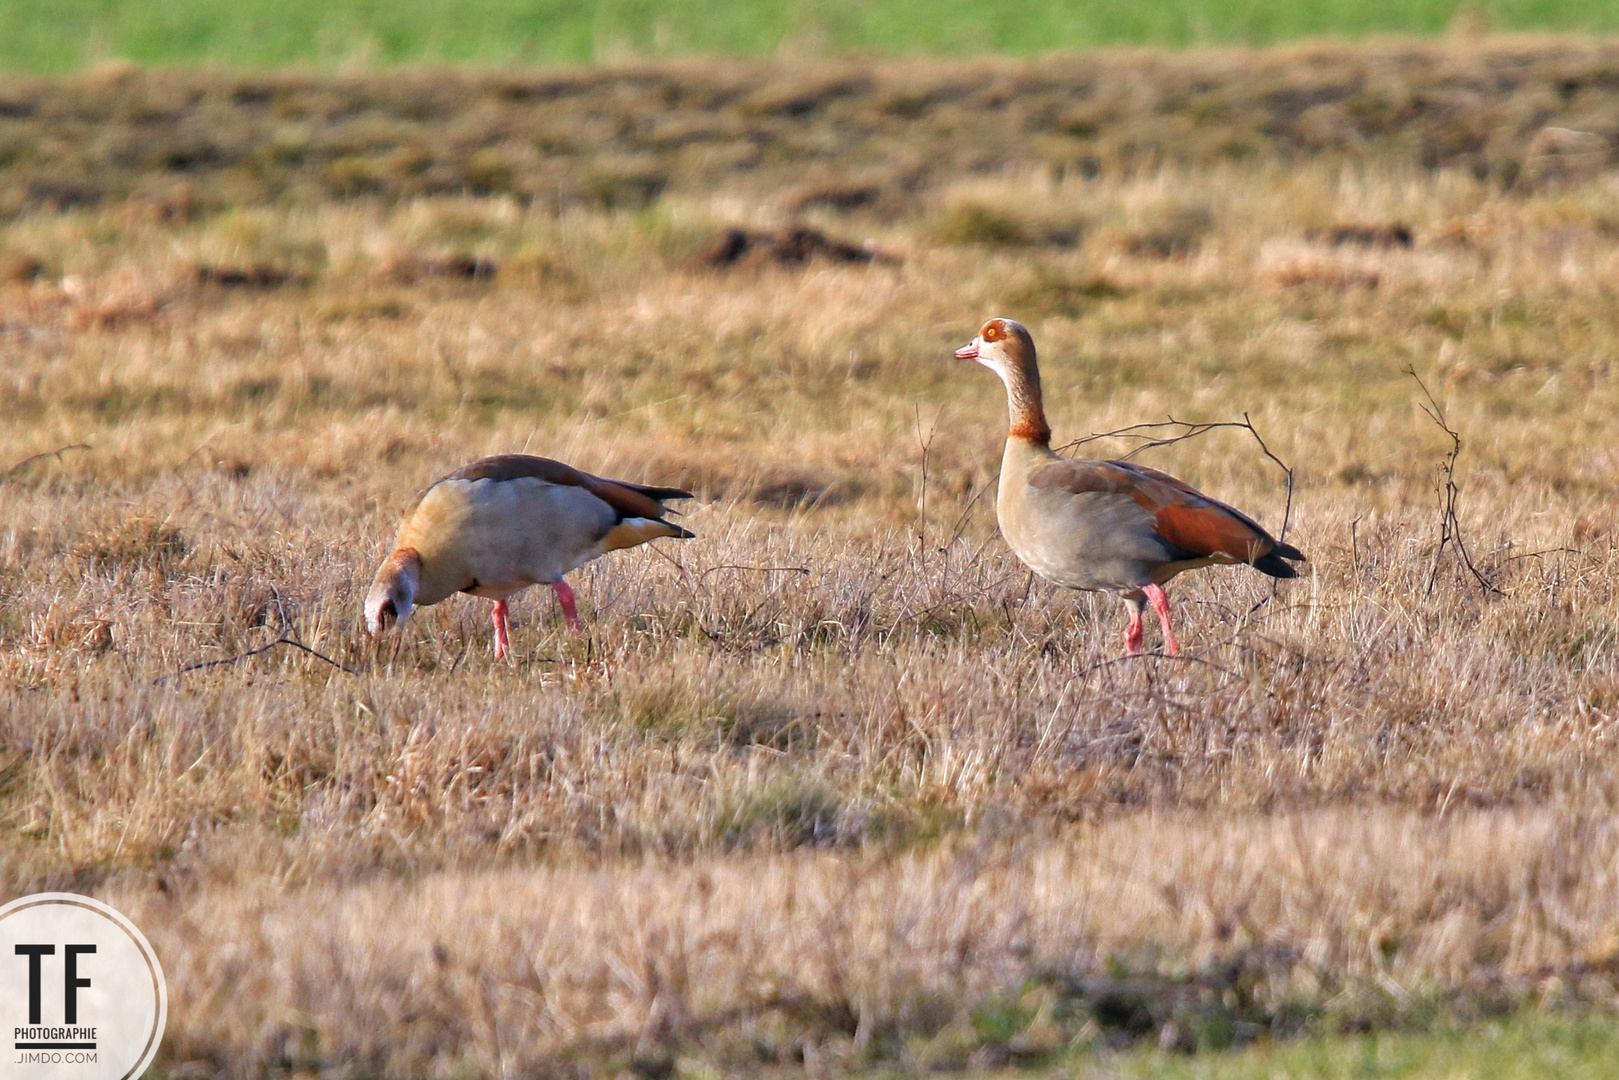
(1550, 551)
(685, 575)
(1287, 507)
(922, 503)
(756, 569)
(1136, 657)
(211, 436)
(284, 639)
(281, 610)
(27, 461)
(961, 522)
(1187, 430)
(964, 598)
(287, 638)
(1450, 527)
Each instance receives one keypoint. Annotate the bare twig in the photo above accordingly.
(756, 569)
(27, 461)
(961, 522)
(954, 598)
(922, 503)
(1450, 528)
(211, 436)
(1549, 551)
(1354, 550)
(287, 638)
(284, 639)
(1144, 656)
(281, 609)
(1187, 430)
(685, 575)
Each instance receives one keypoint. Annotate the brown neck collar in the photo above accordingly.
(1038, 433)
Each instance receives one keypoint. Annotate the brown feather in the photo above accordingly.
(395, 564)
(1035, 431)
(1194, 522)
(1185, 517)
(1206, 531)
(627, 500)
(502, 467)
(1083, 476)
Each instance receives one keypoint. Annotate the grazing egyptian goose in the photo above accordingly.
(1105, 526)
(503, 523)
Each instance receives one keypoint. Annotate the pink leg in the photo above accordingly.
(1160, 604)
(1132, 633)
(503, 641)
(565, 598)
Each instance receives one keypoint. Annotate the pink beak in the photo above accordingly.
(968, 351)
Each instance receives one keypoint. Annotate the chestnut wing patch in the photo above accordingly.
(627, 500)
(503, 467)
(1182, 516)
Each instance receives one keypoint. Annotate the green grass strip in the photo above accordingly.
(1525, 1047)
(66, 35)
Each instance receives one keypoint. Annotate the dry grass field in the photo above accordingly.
(836, 785)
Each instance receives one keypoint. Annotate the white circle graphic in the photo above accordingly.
(82, 995)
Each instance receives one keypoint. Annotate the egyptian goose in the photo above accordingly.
(503, 523)
(1105, 526)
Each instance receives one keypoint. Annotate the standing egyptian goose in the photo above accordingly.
(1105, 526)
(503, 523)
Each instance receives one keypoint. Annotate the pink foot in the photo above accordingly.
(565, 597)
(1132, 633)
(1160, 604)
(503, 641)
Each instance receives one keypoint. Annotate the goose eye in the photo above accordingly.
(991, 333)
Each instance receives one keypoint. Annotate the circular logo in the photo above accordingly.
(81, 992)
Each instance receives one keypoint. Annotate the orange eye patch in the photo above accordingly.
(991, 332)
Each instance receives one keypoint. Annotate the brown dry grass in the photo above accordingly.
(968, 955)
(834, 782)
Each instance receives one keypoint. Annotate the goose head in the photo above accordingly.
(393, 593)
(1005, 347)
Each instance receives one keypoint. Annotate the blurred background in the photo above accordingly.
(63, 35)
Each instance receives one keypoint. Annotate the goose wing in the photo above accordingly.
(1194, 525)
(627, 500)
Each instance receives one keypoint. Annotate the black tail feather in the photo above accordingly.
(1289, 552)
(659, 493)
(1273, 565)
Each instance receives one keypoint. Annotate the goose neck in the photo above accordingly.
(1024, 404)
